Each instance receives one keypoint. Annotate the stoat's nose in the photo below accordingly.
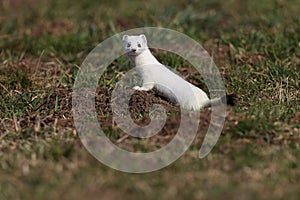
(133, 50)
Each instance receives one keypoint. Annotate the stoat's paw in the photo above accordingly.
(136, 87)
(140, 88)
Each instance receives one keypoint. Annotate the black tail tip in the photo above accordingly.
(229, 99)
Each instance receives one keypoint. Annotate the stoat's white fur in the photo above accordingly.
(155, 75)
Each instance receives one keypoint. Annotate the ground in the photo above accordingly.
(255, 45)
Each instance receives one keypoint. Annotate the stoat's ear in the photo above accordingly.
(125, 37)
(144, 39)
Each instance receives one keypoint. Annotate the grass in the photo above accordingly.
(255, 46)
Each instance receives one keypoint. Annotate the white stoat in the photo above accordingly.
(156, 75)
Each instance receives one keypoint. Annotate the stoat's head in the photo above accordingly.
(134, 44)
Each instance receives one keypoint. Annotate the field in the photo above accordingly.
(256, 47)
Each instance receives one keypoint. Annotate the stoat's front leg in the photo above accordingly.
(145, 87)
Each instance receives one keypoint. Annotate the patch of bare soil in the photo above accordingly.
(31, 72)
(219, 53)
(55, 112)
(139, 106)
(223, 54)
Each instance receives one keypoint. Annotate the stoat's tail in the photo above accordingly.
(227, 99)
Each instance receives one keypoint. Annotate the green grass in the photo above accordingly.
(256, 47)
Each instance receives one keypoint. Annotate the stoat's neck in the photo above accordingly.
(145, 58)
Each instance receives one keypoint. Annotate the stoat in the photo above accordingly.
(167, 83)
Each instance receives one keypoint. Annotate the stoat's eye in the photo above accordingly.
(139, 45)
(128, 45)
